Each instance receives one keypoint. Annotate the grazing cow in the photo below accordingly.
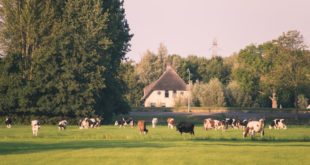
(129, 121)
(35, 125)
(92, 122)
(277, 124)
(154, 122)
(185, 127)
(121, 123)
(142, 127)
(84, 123)
(98, 122)
(62, 124)
(243, 123)
(254, 127)
(8, 122)
(281, 124)
(125, 121)
(210, 124)
(274, 123)
(218, 124)
(170, 122)
(233, 123)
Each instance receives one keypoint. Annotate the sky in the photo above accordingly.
(188, 27)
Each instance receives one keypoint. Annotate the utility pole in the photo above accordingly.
(214, 48)
(189, 91)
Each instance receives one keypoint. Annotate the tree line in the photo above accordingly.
(249, 78)
(62, 57)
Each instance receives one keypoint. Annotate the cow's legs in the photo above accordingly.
(262, 133)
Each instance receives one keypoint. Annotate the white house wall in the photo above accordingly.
(159, 100)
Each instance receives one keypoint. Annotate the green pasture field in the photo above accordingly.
(114, 145)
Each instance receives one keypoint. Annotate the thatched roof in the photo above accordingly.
(169, 80)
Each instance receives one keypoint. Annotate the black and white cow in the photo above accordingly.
(277, 124)
(94, 122)
(124, 121)
(243, 123)
(8, 122)
(98, 122)
(231, 122)
(35, 125)
(119, 123)
(89, 123)
(129, 121)
(62, 124)
(185, 127)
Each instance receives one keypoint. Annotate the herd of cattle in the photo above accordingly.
(248, 126)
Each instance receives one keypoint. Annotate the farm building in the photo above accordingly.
(165, 91)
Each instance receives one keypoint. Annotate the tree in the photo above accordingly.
(71, 51)
(236, 96)
(162, 58)
(133, 87)
(211, 94)
(248, 71)
(25, 24)
(147, 69)
(217, 69)
(292, 63)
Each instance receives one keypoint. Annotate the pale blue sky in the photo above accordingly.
(189, 26)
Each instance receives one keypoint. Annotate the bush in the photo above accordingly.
(302, 102)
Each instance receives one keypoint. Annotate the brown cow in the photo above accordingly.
(210, 123)
(142, 127)
(170, 122)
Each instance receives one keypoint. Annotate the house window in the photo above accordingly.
(163, 105)
(166, 93)
(182, 93)
(153, 105)
(158, 92)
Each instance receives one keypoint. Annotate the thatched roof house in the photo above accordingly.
(164, 91)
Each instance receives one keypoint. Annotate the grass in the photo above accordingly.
(113, 145)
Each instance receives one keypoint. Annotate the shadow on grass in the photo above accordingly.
(7, 148)
(31, 147)
(266, 141)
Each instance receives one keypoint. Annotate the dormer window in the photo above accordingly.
(166, 93)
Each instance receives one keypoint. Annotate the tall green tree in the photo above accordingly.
(292, 62)
(133, 87)
(162, 58)
(147, 69)
(71, 51)
(248, 70)
(216, 68)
